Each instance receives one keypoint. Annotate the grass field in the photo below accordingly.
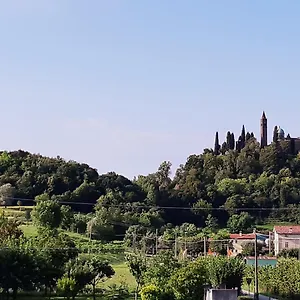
(270, 226)
(117, 260)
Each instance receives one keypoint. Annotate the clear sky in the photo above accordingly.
(125, 84)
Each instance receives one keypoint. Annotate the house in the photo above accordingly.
(240, 239)
(286, 237)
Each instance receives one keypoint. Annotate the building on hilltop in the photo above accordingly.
(279, 135)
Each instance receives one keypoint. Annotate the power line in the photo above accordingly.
(132, 206)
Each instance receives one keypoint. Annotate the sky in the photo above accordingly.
(125, 84)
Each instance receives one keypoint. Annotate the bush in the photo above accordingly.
(150, 292)
(66, 286)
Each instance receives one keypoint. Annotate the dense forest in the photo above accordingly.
(235, 183)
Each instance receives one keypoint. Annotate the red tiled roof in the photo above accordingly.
(295, 229)
(238, 236)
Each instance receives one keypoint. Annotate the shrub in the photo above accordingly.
(150, 292)
(66, 287)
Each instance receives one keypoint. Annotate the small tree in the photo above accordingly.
(100, 270)
(66, 287)
(137, 266)
(188, 282)
(7, 192)
(47, 213)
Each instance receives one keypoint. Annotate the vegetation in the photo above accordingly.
(72, 228)
(236, 176)
(281, 281)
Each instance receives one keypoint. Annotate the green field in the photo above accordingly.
(117, 260)
(270, 226)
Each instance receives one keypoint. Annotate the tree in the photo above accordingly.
(9, 230)
(217, 144)
(161, 267)
(243, 137)
(47, 213)
(241, 222)
(100, 270)
(18, 270)
(225, 271)
(211, 223)
(137, 266)
(67, 217)
(275, 134)
(188, 282)
(7, 192)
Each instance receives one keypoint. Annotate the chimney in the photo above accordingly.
(240, 233)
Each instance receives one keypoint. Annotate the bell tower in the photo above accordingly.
(263, 130)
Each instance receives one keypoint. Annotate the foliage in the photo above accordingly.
(137, 266)
(160, 268)
(241, 222)
(47, 213)
(9, 230)
(289, 253)
(281, 280)
(187, 283)
(225, 271)
(66, 287)
(150, 292)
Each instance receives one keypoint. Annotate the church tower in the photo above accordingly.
(263, 130)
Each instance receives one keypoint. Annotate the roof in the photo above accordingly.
(262, 257)
(294, 229)
(238, 236)
(264, 115)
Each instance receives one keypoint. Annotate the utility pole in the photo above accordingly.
(256, 267)
(156, 241)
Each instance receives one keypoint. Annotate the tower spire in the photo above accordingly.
(264, 130)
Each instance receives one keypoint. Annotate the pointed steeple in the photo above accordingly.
(264, 130)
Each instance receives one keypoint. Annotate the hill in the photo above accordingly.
(210, 188)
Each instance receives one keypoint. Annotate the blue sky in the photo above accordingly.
(125, 84)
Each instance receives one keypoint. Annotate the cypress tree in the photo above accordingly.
(217, 145)
(228, 140)
(232, 142)
(275, 134)
(243, 137)
(248, 136)
(224, 148)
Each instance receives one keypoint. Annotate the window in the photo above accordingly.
(286, 245)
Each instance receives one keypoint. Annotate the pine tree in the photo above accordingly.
(217, 144)
(275, 134)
